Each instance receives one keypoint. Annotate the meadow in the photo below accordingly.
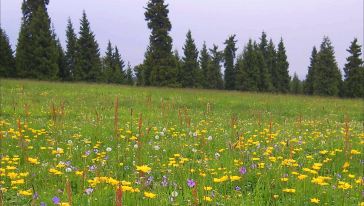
(90, 144)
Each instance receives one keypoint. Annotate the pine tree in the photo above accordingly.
(88, 64)
(240, 72)
(354, 72)
(204, 63)
(36, 53)
(139, 74)
(71, 51)
(263, 46)
(214, 78)
(7, 61)
(310, 77)
(327, 79)
(129, 76)
(249, 71)
(271, 61)
(296, 85)
(109, 64)
(282, 69)
(229, 57)
(118, 63)
(159, 64)
(179, 69)
(264, 82)
(64, 74)
(190, 69)
(45, 52)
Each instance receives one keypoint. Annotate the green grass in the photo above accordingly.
(79, 118)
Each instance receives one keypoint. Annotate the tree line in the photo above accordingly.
(261, 67)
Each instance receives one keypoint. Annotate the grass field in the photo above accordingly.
(84, 144)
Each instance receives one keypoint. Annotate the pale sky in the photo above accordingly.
(301, 23)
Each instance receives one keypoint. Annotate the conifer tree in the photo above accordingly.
(229, 57)
(354, 72)
(271, 61)
(159, 64)
(88, 66)
(296, 85)
(264, 83)
(7, 61)
(204, 63)
(129, 76)
(214, 78)
(263, 46)
(71, 51)
(109, 64)
(282, 69)
(118, 63)
(328, 77)
(240, 72)
(190, 69)
(139, 74)
(63, 74)
(250, 69)
(179, 69)
(310, 77)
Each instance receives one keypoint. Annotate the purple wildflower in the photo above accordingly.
(56, 200)
(191, 183)
(164, 181)
(242, 170)
(237, 188)
(43, 204)
(89, 190)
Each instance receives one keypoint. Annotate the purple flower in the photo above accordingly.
(237, 188)
(42, 204)
(149, 180)
(36, 195)
(89, 190)
(87, 153)
(191, 183)
(56, 200)
(242, 170)
(164, 181)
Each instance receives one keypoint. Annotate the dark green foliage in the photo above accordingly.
(159, 63)
(282, 84)
(264, 82)
(71, 51)
(139, 74)
(229, 57)
(240, 72)
(88, 64)
(296, 85)
(179, 69)
(263, 46)
(36, 54)
(190, 70)
(7, 61)
(354, 72)
(108, 64)
(327, 79)
(129, 76)
(310, 77)
(214, 77)
(118, 71)
(271, 62)
(248, 70)
(63, 74)
(204, 65)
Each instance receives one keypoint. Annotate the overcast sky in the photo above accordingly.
(301, 23)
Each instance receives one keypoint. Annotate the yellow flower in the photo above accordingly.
(344, 185)
(207, 188)
(64, 204)
(143, 168)
(288, 190)
(79, 173)
(234, 178)
(207, 199)
(275, 196)
(284, 179)
(315, 200)
(222, 179)
(355, 152)
(150, 195)
(301, 177)
(33, 161)
(25, 192)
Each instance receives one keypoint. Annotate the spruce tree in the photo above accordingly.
(229, 57)
(7, 61)
(88, 64)
(263, 46)
(282, 69)
(139, 74)
(204, 63)
(214, 78)
(179, 64)
(240, 72)
(251, 71)
(118, 63)
(63, 74)
(109, 64)
(190, 69)
(354, 72)
(159, 64)
(264, 83)
(310, 77)
(71, 51)
(129, 76)
(271, 61)
(296, 85)
(328, 77)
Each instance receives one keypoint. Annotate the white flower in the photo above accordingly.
(164, 129)
(156, 137)
(69, 141)
(68, 169)
(195, 134)
(156, 147)
(161, 134)
(217, 155)
(109, 149)
(174, 194)
(194, 150)
(136, 146)
(209, 138)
